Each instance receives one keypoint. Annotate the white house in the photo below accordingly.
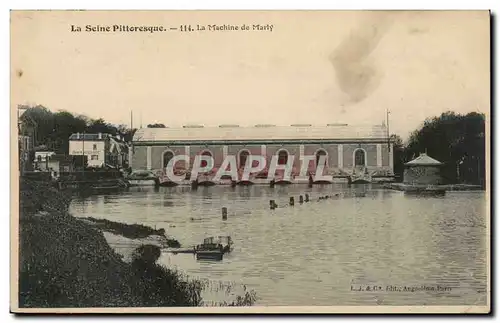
(94, 146)
(101, 149)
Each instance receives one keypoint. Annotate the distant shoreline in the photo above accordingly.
(444, 187)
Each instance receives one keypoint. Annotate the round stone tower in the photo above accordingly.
(423, 170)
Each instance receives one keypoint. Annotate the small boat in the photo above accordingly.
(143, 178)
(214, 248)
(209, 255)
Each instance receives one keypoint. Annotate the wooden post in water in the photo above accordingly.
(301, 199)
(272, 205)
(307, 197)
(224, 213)
(292, 201)
(272, 183)
(310, 180)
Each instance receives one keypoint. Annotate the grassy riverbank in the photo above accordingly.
(133, 231)
(66, 262)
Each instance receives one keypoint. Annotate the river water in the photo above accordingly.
(325, 252)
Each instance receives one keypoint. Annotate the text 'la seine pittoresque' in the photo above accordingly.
(182, 28)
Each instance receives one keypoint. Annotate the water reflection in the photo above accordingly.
(168, 203)
(311, 254)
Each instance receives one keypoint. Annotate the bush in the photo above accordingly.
(37, 196)
(65, 262)
(156, 285)
(132, 231)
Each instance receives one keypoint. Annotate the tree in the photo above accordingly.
(128, 134)
(54, 129)
(156, 125)
(399, 155)
(65, 124)
(42, 120)
(456, 140)
(101, 126)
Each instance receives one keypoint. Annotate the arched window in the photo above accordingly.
(282, 157)
(167, 157)
(243, 156)
(204, 163)
(359, 157)
(319, 153)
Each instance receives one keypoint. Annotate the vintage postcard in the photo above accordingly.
(250, 161)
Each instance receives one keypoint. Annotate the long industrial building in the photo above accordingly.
(351, 151)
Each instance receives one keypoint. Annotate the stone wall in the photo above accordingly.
(139, 157)
(425, 175)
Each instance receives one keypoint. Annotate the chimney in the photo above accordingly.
(100, 135)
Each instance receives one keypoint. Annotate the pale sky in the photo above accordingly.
(313, 67)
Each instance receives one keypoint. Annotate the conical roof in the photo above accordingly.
(424, 160)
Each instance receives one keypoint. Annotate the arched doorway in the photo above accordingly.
(204, 163)
(282, 157)
(167, 157)
(359, 157)
(319, 153)
(243, 156)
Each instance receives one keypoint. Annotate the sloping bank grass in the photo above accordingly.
(65, 262)
(133, 231)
